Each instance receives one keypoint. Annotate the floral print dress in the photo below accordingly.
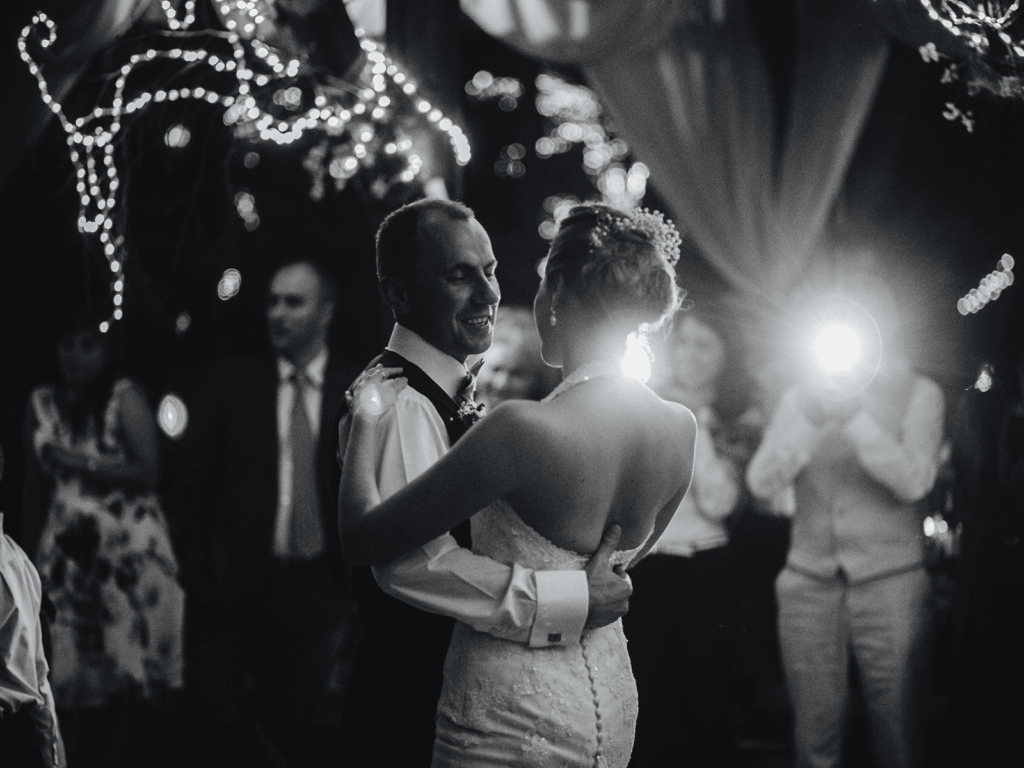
(106, 561)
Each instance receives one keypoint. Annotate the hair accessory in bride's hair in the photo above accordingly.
(651, 224)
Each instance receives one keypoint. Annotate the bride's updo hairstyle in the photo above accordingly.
(621, 265)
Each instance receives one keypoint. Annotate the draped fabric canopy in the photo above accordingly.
(687, 87)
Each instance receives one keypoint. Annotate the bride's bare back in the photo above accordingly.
(605, 451)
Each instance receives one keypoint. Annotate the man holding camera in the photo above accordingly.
(855, 578)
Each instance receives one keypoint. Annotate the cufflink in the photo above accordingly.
(554, 637)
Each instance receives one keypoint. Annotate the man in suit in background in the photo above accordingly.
(267, 594)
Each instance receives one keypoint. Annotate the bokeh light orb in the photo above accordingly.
(172, 416)
(177, 136)
(229, 285)
(984, 381)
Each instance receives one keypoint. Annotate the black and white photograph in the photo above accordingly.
(511, 383)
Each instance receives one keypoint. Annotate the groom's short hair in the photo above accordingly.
(396, 239)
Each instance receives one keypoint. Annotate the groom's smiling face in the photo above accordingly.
(455, 298)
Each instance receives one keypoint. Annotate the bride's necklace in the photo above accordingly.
(594, 369)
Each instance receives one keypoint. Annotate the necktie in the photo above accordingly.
(306, 537)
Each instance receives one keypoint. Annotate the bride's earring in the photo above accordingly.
(553, 320)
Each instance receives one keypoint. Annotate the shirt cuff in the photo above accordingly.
(563, 601)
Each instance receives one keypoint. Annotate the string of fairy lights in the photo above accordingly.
(573, 116)
(172, 14)
(971, 23)
(247, 88)
(995, 66)
(997, 71)
(990, 287)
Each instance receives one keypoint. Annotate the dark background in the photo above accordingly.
(939, 204)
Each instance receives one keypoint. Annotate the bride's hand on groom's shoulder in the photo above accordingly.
(375, 392)
(609, 588)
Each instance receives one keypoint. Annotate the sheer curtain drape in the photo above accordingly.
(688, 89)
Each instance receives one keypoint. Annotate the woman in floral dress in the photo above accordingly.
(104, 553)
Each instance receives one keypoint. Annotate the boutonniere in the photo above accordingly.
(470, 413)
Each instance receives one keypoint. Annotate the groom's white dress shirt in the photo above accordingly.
(508, 601)
(858, 486)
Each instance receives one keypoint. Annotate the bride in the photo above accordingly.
(541, 482)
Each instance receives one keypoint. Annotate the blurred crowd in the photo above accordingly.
(836, 564)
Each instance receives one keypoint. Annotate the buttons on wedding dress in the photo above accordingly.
(591, 672)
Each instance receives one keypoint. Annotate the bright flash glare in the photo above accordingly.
(984, 382)
(636, 363)
(837, 348)
(935, 526)
(370, 400)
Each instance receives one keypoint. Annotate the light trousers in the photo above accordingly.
(886, 623)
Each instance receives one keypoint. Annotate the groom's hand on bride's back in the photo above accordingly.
(609, 591)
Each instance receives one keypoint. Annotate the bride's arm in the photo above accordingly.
(660, 524)
(689, 438)
(482, 467)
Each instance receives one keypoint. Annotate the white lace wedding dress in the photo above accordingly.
(506, 704)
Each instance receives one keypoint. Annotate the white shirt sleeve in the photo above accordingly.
(906, 464)
(23, 673)
(789, 441)
(511, 602)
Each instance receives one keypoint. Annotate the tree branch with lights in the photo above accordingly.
(276, 79)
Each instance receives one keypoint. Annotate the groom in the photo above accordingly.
(436, 271)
